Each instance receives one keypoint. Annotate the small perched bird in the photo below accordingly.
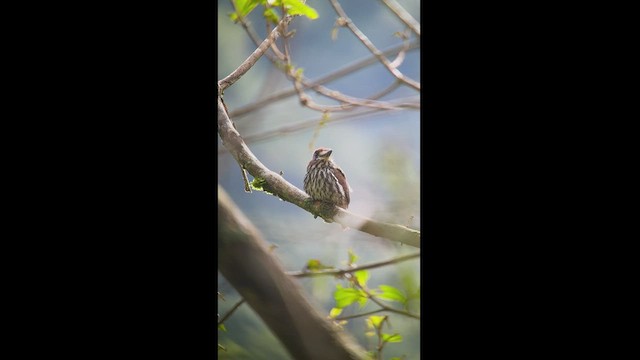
(325, 181)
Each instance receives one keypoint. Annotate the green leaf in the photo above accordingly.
(362, 301)
(391, 338)
(335, 312)
(316, 265)
(352, 257)
(222, 327)
(362, 276)
(345, 297)
(297, 7)
(271, 16)
(376, 321)
(313, 265)
(392, 294)
(246, 6)
(257, 183)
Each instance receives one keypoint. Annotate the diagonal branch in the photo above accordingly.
(403, 15)
(230, 312)
(253, 58)
(384, 306)
(309, 123)
(374, 265)
(277, 185)
(275, 297)
(283, 61)
(365, 40)
(360, 64)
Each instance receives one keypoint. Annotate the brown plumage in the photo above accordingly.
(325, 181)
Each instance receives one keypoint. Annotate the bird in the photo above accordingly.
(325, 181)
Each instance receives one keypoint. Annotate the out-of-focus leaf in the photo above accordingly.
(362, 276)
(345, 297)
(392, 294)
(316, 265)
(271, 16)
(352, 257)
(391, 338)
(297, 7)
(246, 6)
(362, 301)
(222, 327)
(376, 321)
(335, 312)
(313, 265)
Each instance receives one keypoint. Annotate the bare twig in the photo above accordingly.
(349, 102)
(359, 315)
(403, 15)
(253, 58)
(298, 80)
(277, 185)
(360, 64)
(390, 309)
(374, 265)
(309, 123)
(365, 40)
(230, 312)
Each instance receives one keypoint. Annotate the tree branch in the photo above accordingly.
(399, 259)
(360, 64)
(309, 123)
(253, 58)
(274, 296)
(365, 40)
(384, 306)
(277, 185)
(230, 312)
(359, 315)
(403, 15)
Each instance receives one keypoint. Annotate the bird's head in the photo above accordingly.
(322, 154)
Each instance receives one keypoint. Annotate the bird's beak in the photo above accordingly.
(328, 154)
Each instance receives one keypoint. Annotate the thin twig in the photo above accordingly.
(365, 40)
(358, 65)
(403, 15)
(309, 123)
(315, 85)
(396, 260)
(348, 101)
(359, 315)
(230, 312)
(384, 306)
(300, 274)
(253, 58)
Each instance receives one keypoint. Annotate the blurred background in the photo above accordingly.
(379, 153)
